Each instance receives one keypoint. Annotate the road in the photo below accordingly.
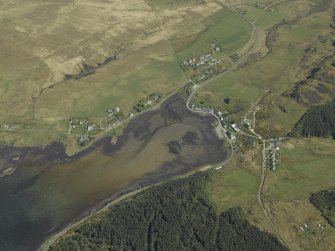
(251, 46)
(259, 195)
(53, 238)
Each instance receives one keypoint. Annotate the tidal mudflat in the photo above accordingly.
(45, 189)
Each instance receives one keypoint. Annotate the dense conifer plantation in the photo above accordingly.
(318, 121)
(325, 202)
(175, 216)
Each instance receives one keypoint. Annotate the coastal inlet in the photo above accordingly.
(45, 189)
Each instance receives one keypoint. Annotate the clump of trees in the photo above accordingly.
(325, 202)
(318, 121)
(175, 216)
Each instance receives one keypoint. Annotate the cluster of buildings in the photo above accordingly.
(229, 134)
(223, 129)
(10, 126)
(241, 11)
(84, 125)
(262, 5)
(80, 122)
(215, 48)
(220, 115)
(235, 127)
(114, 119)
(113, 111)
(273, 155)
(90, 128)
(113, 123)
(247, 124)
(196, 62)
(146, 103)
(82, 139)
(304, 226)
(203, 109)
(205, 74)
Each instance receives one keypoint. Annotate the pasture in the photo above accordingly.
(226, 29)
(236, 184)
(273, 74)
(39, 50)
(306, 166)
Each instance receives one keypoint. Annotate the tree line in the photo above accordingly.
(318, 121)
(325, 202)
(177, 215)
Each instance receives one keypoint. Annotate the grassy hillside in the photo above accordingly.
(306, 166)
(174, 216)
(325, 202)
(168, 3)
(318, 121)
(226, 29)
(296, 46)
(124, 45)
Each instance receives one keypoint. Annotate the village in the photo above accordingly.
(205, 65)
(272, 155)
(114, 117)
(11, 127)
(225, 127)
(85, 129)
(242, 11)
(307, 227)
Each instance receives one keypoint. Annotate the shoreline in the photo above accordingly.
(210, 151)
(116, 198)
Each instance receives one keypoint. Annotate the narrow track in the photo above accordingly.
(253, 41)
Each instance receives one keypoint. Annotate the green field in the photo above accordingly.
(306, 166)
(253, 12)
(226, 29)
(122, 90)
(232, 188)
(156, 37)
(173, 216)
(269, 19)
(150, 64)
(282, 11)
(39, 56)
(169, 3)
(277, 72)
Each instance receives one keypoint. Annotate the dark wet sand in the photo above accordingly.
(50, 189)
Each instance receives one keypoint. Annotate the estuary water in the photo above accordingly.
(45, 189)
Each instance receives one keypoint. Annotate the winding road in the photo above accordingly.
(252, 46)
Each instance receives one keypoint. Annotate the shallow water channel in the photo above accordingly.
(49, 189)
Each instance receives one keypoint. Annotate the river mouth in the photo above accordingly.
(50, 189)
